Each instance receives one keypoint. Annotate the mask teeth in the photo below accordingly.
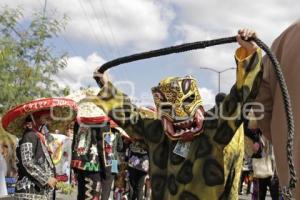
(165, 124)
(193, 125)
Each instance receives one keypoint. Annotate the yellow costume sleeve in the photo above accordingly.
(118, 106)
(233, 109)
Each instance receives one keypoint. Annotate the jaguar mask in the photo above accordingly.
(179, 107)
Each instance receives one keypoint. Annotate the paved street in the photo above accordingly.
(73, 197)
(66, 197)
(248, 197)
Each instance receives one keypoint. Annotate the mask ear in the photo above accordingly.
(158, 95)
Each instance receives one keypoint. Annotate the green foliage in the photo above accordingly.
(65, 188)
(28, 62)
(5, 136)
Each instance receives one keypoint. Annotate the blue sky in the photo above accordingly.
(101, 30)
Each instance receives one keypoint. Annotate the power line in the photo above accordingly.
(112, 34)
(91, 26)
(65, 40)
(109, 27)
(103, 51)
(69, 44)
(100, 25)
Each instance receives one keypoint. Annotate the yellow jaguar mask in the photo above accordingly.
(179, 106)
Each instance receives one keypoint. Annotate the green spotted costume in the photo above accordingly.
(207, 171)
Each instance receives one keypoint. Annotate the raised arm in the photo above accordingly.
(232, 110)
(118, 106)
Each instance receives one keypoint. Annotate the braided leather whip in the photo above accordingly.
(287, 190)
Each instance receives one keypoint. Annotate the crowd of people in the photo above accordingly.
(177, 150)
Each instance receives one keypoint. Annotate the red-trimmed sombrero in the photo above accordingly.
(90, 113)
(61, 112)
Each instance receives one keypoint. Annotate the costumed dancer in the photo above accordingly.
(138, 165)
(94, 157)
(35, 167)
(133, 170)
(36, 171)
(186, 155)
(121, 182)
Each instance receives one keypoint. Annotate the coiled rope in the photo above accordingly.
(287, 190)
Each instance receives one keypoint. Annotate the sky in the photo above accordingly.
(101, 30)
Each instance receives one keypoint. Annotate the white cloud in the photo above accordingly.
(140, 24)
(146, 24)
(268, 17)
(208, 97)
(205, 20)
(79, 71)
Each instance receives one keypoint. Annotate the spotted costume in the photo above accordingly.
(186, 144)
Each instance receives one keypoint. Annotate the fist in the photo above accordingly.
(52, 182)
(242, 36)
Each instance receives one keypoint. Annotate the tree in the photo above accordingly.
(28, 63)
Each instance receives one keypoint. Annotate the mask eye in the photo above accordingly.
(166, 108)
(189, 99)
(186, 85)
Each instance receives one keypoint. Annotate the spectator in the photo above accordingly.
(3, 170)
(245, 175)
(286, 48)
(138, 167)
(263, 149)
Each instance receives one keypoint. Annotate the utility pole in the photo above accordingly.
(219, 72)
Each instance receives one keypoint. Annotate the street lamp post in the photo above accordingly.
(219, 72)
